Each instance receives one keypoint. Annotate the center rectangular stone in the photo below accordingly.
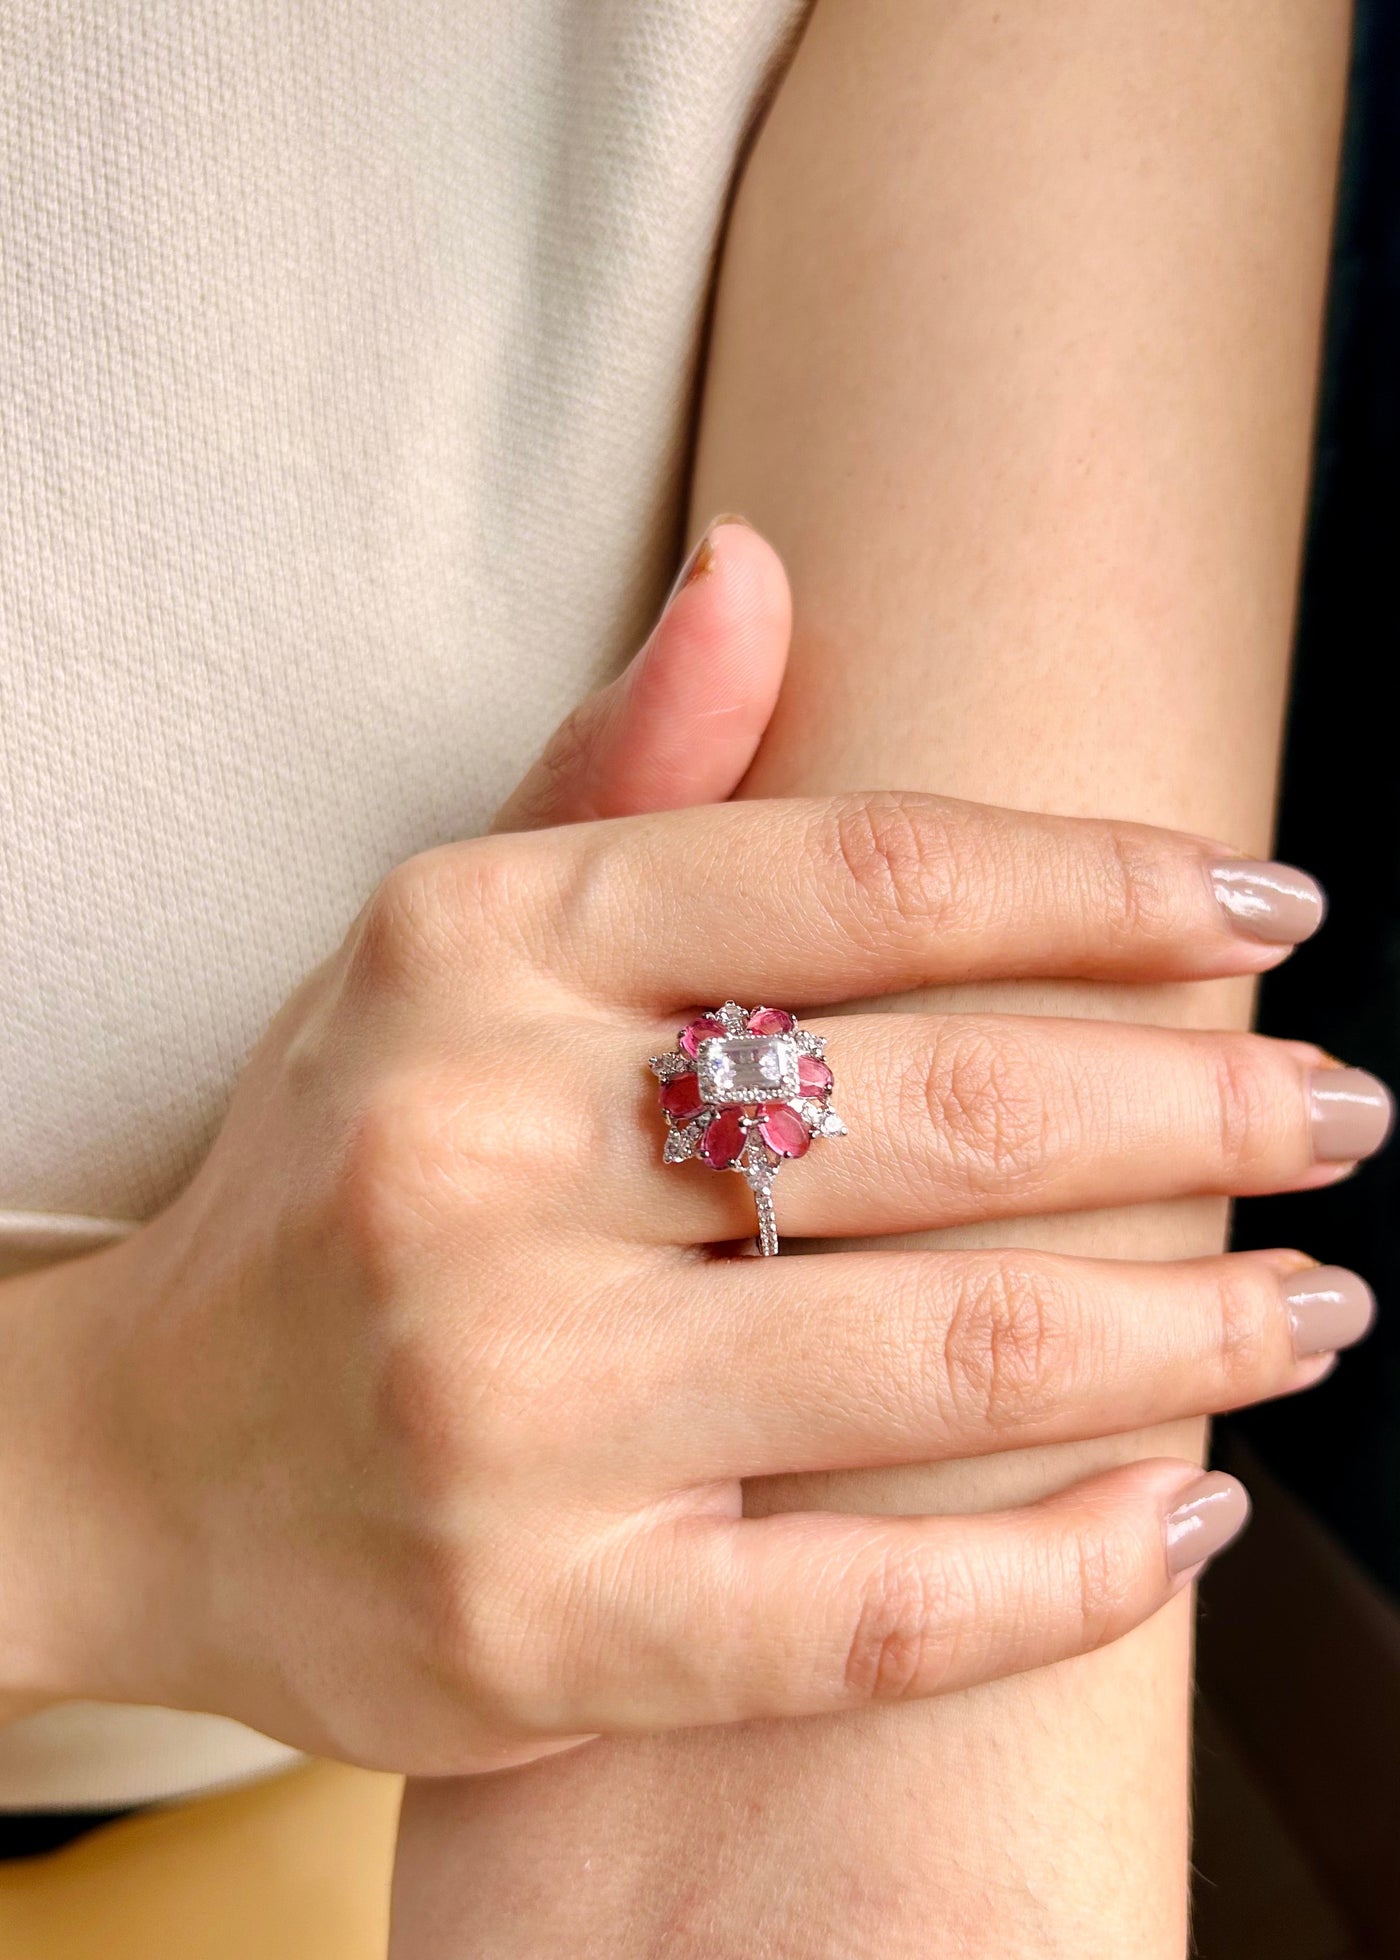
(747, 1068)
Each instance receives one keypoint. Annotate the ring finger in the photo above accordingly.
(960, 1117)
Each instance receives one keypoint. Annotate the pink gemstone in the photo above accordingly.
(770, 1020)
(814, 1078)
(723, 1141)
(680, 1097)
(783, 1130)
(694, 1032)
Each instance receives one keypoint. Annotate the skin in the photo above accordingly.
(1014, 360)
(446, 1392)
(413, 1431)
(680, 725)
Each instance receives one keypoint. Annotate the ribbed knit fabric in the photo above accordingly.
(347, 352)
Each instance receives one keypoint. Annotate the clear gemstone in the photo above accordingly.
(681, 1144)
(747, 1068)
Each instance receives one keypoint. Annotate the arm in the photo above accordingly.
(1014, 359)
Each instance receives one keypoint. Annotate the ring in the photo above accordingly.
(743, 1091)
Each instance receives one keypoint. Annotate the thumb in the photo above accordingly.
(680, 726)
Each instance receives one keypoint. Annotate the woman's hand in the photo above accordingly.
(413, 1431)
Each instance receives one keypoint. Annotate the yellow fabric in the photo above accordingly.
(296, 1868)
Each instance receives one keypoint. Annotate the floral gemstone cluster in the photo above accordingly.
(743, 1089)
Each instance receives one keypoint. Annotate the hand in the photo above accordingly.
(683, 722)
(412, 1432)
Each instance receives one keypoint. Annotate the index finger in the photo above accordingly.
(827, 899)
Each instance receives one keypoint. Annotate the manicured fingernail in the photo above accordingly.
(1328, 1308)
(1273, 902)
(1207, 1515)
(1351, 1114)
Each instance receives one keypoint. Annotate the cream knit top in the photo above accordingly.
(347, 352)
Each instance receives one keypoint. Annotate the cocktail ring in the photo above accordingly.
(742, 1091)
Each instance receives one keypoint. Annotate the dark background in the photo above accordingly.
(1298, 1755)
(1340, 1447)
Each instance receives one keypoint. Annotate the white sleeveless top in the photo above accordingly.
(347, 354)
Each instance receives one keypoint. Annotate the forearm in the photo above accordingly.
(1019, 379)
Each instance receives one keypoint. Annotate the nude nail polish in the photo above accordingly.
(1273, 902)
(1328, 1308)
(1351, 1114)
(1205, 1518)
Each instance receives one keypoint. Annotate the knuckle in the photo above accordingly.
(376, 1212)
(1009, 1353)
(1246, 1317)
(417, 1422)
(1098, 1583)
(457, 908)
(411, 1172)
(904, 1636)
(1243, 1103)
(473, 1641)
(893, 860)
(397, 929)
(462, 1403)
(571, 902)
(515, 1628)
(1136, 899)
(433, 1166)
(473, 1407)
(985, 1105)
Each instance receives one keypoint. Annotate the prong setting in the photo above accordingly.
(763, 1095)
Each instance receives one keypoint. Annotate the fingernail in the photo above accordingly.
(1351, 1114)
(1207, 1515)
(698, 561)
(701, 557)
(1273, 902)
(1328, 1308)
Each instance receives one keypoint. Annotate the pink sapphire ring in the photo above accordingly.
(742, 1091)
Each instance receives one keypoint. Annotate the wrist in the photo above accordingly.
(69, 1509)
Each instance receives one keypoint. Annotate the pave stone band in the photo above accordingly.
(744, 1090)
